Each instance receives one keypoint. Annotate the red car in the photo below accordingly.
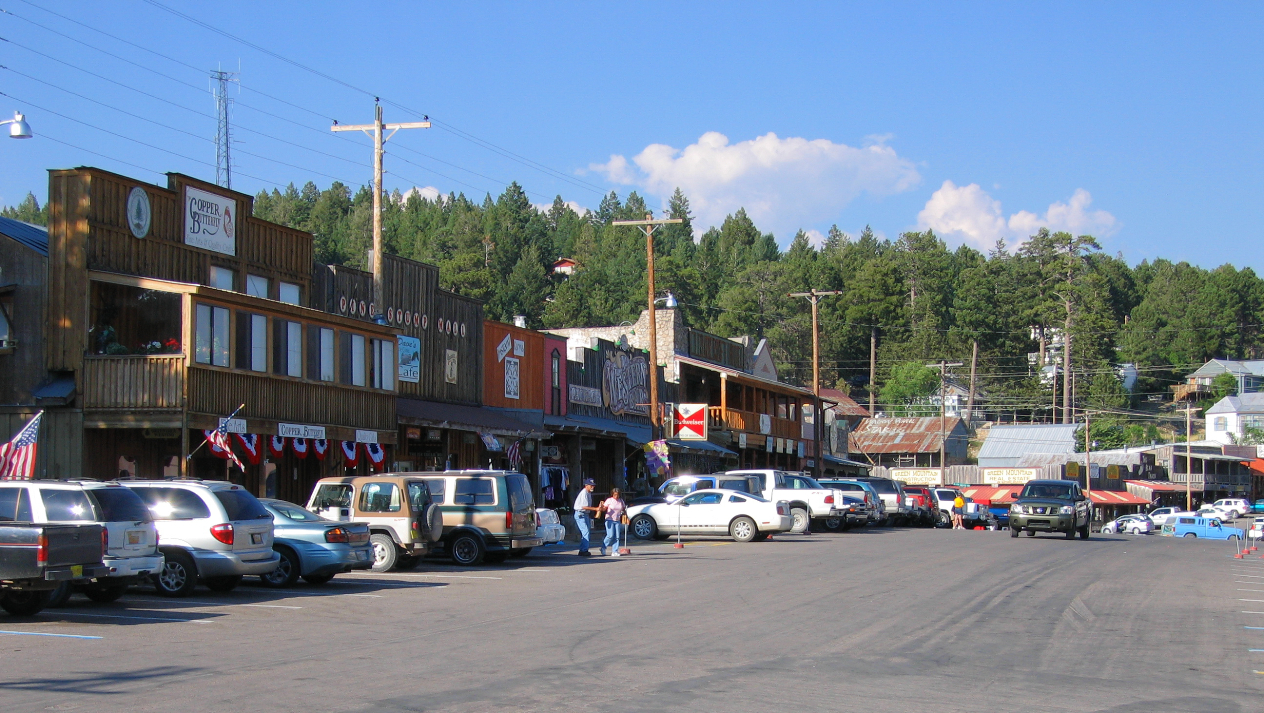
(921, 503)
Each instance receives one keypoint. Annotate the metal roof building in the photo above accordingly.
(908, 442)
(1006, 445)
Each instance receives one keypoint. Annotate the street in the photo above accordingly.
(873, 620)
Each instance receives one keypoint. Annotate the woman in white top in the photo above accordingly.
(616, 515)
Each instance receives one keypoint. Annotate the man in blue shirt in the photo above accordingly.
(583, 508)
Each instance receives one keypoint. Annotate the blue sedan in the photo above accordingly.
(313, 547)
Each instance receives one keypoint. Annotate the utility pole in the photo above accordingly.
(223, 141)
(375, 130)
(1189, 463)
(817, 416)
(1088, 465)
(942, 366)
(873, 364)
(648, 226)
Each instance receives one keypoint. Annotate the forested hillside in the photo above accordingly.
(919, 300)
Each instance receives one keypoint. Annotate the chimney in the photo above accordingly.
(520, 320)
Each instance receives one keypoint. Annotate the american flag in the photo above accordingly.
(17, 457)
(513, 454)
(219, 439)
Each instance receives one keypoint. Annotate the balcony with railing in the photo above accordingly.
(735, 420)
(134, 382)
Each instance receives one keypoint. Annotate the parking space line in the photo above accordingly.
(138, 618)
(448, 576)
(268, 606)
(1252, 612)
(40, 633)
(1251, 590)
(1253, 627)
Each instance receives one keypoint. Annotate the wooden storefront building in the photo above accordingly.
(167, 308)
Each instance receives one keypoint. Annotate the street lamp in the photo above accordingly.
(18, 128)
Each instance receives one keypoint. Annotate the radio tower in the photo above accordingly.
(223, 106)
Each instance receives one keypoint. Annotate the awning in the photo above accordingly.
(844, 461)
(58, 392)
(706, 448)
(595, 426)
(1116, 497)
(1157, 486)
(416, 412)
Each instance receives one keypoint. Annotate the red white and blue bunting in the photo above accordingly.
(350, 453)
(320, 447)
(276, 446)
(377, 455)
(299, 446)
(250, 444)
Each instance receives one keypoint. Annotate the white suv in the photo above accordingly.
(131, 539)
(1234, 507)
(209, 530)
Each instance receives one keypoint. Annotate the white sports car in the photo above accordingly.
(742, 516)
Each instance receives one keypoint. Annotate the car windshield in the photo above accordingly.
(1047, 490)
(802, 483)
(332, 495)
(886, 487)
(240, 505)
(118, 504)
(295, 513)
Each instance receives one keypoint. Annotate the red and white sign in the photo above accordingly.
(689, 422)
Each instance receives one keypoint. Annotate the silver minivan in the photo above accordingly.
(209, 530)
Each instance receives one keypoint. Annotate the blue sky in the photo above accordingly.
(1136, 122)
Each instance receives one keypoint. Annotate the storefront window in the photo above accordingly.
(257, 286)
(131, 320)
(211, 343)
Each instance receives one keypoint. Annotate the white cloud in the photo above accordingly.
(580, 210)
(782, 183)
(969, 213)
(429, 193)
(815, 238)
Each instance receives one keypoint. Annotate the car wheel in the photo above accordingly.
(60, 596)
(434, 523)
(743, 529)
(1190, 534)
(833, 524)
(644, 527)
(799, 521)
(465, 549)
(1086, 531)
(1070, 534)
(1233, 514)
(1031, 533)
(105, 595)
(1136, 531)
(227, 583)
(23, 602)
(178, 577)
(1013, 531)
(385, 553)
(286, 572)
(945, 520)
(520, 552)
(317, 578)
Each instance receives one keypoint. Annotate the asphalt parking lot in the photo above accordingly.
(872, 620)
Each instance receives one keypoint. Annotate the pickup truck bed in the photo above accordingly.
(34, 558)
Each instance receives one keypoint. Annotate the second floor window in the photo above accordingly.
(352, 368)
(252, 341)
(289, 293)
(257, 286)
(383, 364)
(211, 339)
(556, 383)
(221, 278)
(288, 355)
(326, 354)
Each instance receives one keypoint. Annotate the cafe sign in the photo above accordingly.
(210, 221)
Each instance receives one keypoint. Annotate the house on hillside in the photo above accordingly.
(1249, 375)
(1006, 445)
(909, 442)
(565, 266)
(1230, 416)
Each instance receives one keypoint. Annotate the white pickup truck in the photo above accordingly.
(808, 499)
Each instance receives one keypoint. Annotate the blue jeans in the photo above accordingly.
(614, 530)
(582, 524)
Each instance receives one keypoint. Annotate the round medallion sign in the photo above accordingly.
(138, 212)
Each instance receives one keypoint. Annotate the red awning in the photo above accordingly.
(1256, 466)
(1115, 497)
(990, 493)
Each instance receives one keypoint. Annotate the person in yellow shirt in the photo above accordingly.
(958, 510)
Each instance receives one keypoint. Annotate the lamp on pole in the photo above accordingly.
(375, 130)
(648, 226)
(18, 128)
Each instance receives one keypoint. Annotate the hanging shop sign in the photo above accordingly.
(625, 384)
(741, 439)
(768, 444)
(139, 213)
(491, 443)
(297, 430)
(366, 436)
(801, 452)
(210, 221)
(689, 422)
(233, 425)
(449, 366)
(765, 423)
(511, 378)
(409, 359)
(585, 396)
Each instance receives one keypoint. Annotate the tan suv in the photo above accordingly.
(403, 520)
(488, 515)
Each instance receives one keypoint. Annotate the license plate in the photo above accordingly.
(135, 537)
(256, 538)
(76, 571)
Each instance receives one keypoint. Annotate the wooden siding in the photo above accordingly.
(22, 369)
(530, 367)
(717, 350)
(133, 382)
(415, 307)
(217, 391)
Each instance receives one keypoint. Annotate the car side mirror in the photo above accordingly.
(684, 504)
